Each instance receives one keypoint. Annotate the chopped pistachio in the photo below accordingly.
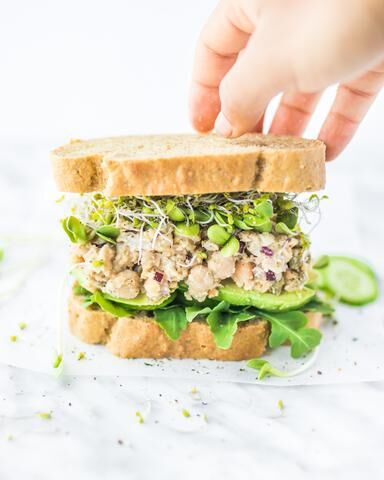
(194, 391)
(97, 263)
(22, 325)
(140, 417)
(13, 338)
(185, 413)
(45, 415)
(280, 404)
(81, 356)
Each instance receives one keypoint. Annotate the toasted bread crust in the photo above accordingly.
(189, 164)
(141, 337)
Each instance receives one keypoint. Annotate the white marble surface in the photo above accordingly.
(234, 430)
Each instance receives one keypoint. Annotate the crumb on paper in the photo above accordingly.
(22, 325)
(280, 404)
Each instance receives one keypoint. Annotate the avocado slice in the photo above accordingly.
(141, 302)
(265, 301)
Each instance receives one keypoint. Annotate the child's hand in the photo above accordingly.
(251, 50)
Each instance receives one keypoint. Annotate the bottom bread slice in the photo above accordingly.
(141, 337)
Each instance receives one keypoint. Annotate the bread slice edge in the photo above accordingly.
(278, 166)
(141, 337)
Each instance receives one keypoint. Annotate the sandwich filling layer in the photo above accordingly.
(199, 254)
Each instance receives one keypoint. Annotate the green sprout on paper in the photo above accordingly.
(57, 361)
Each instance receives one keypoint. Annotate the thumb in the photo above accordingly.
(247, 88)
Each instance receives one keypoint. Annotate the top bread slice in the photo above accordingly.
(189, 164)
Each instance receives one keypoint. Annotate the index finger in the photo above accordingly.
(222, 38)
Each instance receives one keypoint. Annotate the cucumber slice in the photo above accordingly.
(351, 280)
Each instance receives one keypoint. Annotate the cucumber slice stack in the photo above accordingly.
(350, 280)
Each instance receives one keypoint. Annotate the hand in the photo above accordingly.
(251, 50)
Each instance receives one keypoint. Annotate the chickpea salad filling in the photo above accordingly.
(220, 258)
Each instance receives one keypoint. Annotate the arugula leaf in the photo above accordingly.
(195, 310)
(75, 229)
(291, 326)
(110, 307)
(265, 368)
(222, 320)
(109, 233)
(318, 305)
(309, 339)
(172, 320)
(223, 325)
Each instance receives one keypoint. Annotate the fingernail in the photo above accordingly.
(222, 126)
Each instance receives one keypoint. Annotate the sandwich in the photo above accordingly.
(188, 246)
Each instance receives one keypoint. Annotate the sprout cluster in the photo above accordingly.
(242, 210)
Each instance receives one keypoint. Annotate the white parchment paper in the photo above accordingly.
(34, 286)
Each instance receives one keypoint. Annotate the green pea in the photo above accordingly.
(230, 248)
(176, 214)
(191, 230)
(218, 235)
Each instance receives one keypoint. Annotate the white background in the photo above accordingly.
(83, 68)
